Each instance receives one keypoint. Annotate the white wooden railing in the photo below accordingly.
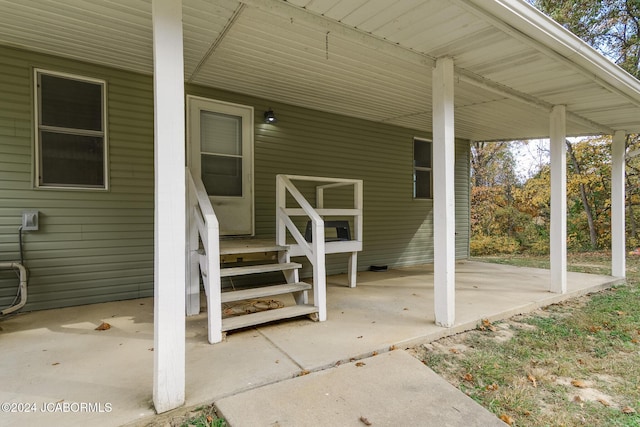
(203, 256)
(316, 250)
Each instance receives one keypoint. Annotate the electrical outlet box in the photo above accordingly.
(30, 220)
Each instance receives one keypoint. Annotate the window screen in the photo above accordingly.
(221, 153)
(71, 140)
(422, 173)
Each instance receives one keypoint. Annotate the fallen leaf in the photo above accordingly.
(454, 350)
(405, 309)
(604, 402)
(359, 337)
(581, 362)
(628, 410)
(578, 383)
(103, 327)
(486, 324)
(392, 348)
(55, 363)
(375, 353)
(527, 413)
(303, 372)
(532, 379)
(209, 419)
(635, 341)
(468, 377)
(507, 419)
(365, 421)
(578, 399)
(492, 387)
(594, 329)
(359, 364)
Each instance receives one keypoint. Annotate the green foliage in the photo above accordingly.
(611, 26)
(205, 421)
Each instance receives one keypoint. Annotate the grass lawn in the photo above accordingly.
(570, 364)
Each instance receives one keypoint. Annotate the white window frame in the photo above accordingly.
(84, 132)
(422, 169)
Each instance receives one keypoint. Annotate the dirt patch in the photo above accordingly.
(570, 364)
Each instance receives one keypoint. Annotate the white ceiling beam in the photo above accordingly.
(502, 90)
(232, 20)
(380, 44)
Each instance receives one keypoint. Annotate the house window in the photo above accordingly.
(422, 173)
(71, 140)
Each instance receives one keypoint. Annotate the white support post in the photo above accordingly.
(352, 270)
(192, 288)
(358, 197)
(319, 270)
(170, 222)
(443, 193)
(558, 243)
(618, 244)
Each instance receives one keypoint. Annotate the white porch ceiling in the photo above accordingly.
(370, 59)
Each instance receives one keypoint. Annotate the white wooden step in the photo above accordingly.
(261, 268)
(246, 246)
(238, 322)
(264, 291)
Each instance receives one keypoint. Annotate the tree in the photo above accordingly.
(610, 26)
(584, 195)
(492, 163)
(613, 28)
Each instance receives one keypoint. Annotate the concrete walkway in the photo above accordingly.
(392, 389)
(56, 357)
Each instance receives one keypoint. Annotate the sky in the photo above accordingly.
(530, 156)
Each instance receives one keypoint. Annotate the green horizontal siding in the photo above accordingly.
(96, 246)
(92, 246)
(398, 230)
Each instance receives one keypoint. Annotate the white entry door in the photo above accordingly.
(221, 153)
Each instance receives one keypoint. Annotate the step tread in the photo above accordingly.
(246, 246)
(260, 268)
(264, 291)
(247, 320)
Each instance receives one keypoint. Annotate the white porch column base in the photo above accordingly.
(618, 243)
(443, 193)
(170, 218)
(558, 243)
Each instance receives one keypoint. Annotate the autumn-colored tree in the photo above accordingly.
(495, 223)
(613, 28)
(492, 164)
(589, 193)
(507, 215)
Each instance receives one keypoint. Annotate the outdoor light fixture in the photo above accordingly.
(270, 117)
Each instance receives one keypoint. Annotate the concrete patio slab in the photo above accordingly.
(56, 357)
(392, 389)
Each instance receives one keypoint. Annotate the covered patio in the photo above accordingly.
(467, 69)
(57, 356)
